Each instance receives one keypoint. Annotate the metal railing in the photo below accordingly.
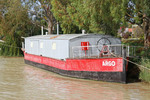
(137, 51)
(98, 51)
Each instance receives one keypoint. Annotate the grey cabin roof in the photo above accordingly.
(64, 36)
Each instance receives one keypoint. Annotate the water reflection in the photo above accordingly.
(19, 81)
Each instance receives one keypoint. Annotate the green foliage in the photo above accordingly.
(92, 15)
(10, 50)
(133, 42)
(101, 16)
(145, 73)
(14, 24)
(138, 32)
(60, 10)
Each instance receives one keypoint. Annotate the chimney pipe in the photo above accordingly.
(57, 28)
(41, 30)
(83, 31)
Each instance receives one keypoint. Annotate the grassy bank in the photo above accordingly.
(145, 72)
(10, 50)
(144, 59)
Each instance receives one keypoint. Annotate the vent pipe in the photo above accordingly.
(57, 28)
(41, 30)
(83, 31)
(46, 33)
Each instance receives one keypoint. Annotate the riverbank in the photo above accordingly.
(142, 60)
(11, 56)
(145, 72)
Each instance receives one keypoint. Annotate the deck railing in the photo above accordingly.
(98, 51)
(137, 51)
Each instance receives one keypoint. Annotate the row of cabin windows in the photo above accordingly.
(41, 45)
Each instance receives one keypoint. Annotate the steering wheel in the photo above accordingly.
(103, 42)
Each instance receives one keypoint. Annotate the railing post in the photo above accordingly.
(128, 51)
(124, 65)
(73, 52)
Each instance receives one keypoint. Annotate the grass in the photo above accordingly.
(145, 73)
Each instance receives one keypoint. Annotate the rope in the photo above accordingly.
(137, 64)
(133, 62)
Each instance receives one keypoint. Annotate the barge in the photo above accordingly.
(86, 56)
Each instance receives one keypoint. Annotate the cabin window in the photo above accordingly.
(41, 45)
(31, 44)
(53, 46)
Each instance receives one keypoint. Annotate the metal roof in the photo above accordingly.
(64, 36)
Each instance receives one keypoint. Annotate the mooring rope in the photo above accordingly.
(137, 64)
(133, 62)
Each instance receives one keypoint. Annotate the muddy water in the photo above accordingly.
(19, 81)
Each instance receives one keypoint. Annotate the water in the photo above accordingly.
(19, 81)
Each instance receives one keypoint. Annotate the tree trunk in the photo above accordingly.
(146, 40)
(146, 29)
(50, 27)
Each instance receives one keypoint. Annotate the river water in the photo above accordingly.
(19, 81)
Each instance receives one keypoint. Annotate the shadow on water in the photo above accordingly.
(133, 73)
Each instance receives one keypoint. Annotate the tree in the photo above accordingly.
(103, 15)
(61, 13)
(14, 24)
(135, 12)
(3, 6)
(41, 10)
(91, 15)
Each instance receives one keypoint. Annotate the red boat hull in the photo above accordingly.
(105, 69)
